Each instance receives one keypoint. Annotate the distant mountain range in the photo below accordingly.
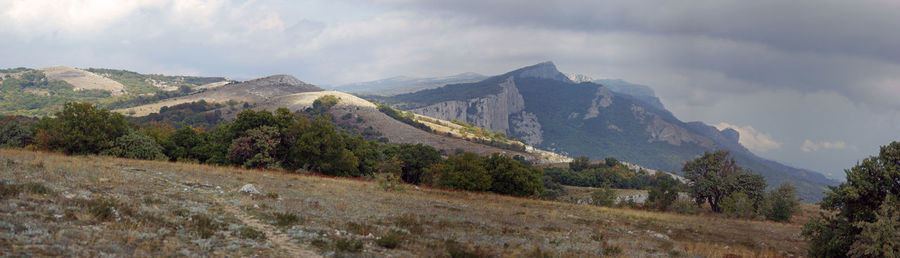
(405, 84)
(580, 116)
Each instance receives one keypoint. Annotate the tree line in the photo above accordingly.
(305, 141)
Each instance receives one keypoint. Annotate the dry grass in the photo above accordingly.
(157, 209)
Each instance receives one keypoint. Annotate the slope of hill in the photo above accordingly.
(351, 112)
(137, 83)
(404, 84)
(81, 79)
(547, 109)
(56, 205)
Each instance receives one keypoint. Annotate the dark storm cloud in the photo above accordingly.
(850, 47)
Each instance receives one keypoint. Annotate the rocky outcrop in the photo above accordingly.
(661, 130)
(545, 70)
(602, 98)
(526, 126)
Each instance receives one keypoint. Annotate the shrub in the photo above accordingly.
(604, 196)
(81, 128)
(14, 133)
(257, 149)
(391, 239)
(508, 176)
(662, 195)
(685, 206)
(348, 245)
(781, 203)
(251, 233)
(283, 219)
(465, 172)
(738, 205)
(136, 145)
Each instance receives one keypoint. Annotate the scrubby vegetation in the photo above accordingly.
(865, 220)
(33, 94)
(582, 172)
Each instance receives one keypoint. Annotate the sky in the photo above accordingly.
(811, 83)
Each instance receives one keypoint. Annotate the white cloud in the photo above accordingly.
(810, 146)
(751, 138)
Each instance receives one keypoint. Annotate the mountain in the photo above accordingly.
(547, 109)
(351, 113)
(405, 84)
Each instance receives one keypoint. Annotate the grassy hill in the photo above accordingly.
(93, 205)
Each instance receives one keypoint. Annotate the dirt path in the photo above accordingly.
(272, 234)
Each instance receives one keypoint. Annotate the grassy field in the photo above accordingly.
(92, 206)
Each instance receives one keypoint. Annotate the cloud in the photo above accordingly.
(751, 138)
(810, 146)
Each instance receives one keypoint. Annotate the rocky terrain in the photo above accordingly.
(55, 205)
(576, 116)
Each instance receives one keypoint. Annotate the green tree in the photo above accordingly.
(664, 193)
(580, 163)
(323, 104)
(868, 184)
(416, 158)
(508, 176)
(465, 172)
(322, 148)
(714, 176)
(14, 132)
(611, 162)
(880, 238)
(82, 128)
(605, 196)
(257, 149)
(781, 203)
(136, 145)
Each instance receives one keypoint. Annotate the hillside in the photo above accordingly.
(351, 113)
(39, 92)
(547, 109)
(58, 205)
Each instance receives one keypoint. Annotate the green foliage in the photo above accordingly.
(391, 239)
(283, 219)
(192, 114)
(580, 163)
(880, 238)
(714, 177)
(257, 148)
(32, 93)
(663, 195)
(323, 104)
(465, 172)
(611, 162)
(510, 177)
(136, 83)
(869, 183)
(618, 177)
(81, 128)
(320, 147)
(136, 145)
(15, 131)
(400, 116)
(685, 206)
(415, 159)
(781, 203)
(738, 205)
(552, 189)
(604, 196)
(348, 245)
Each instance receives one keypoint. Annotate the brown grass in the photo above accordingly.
(154, 201)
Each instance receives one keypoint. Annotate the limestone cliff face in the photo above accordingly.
(495, 112)
(602, 98)
(661, 130)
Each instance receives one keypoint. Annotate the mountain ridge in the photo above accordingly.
(587, 118)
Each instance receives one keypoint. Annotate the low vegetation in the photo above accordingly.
(101, 205)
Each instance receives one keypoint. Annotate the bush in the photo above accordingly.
(80, 128)
(510, 177)
(663, 194)
(391, 240)
(137, 145)
(738, 205)
(14, 133)
(685, 206)
(781, 203)
(283, 219)
(605, 196)
(465, 172)
(348, 245)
